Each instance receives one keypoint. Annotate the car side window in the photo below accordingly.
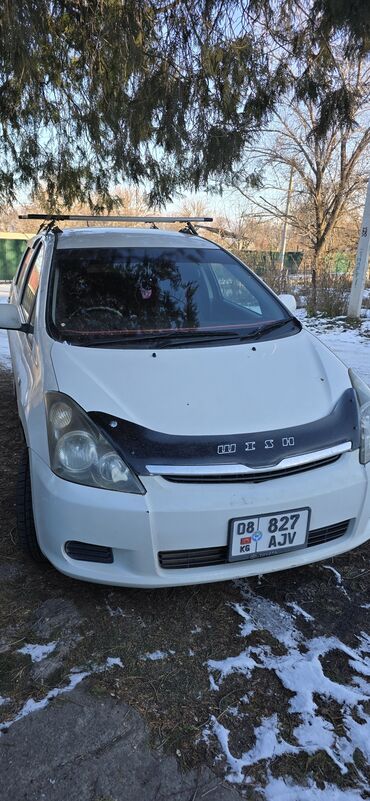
(24, 264)
(32, 284)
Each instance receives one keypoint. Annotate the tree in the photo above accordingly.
(95, 93)
(131, 202)
(163, 94)
(330, 167)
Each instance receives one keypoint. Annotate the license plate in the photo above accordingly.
(264, 535)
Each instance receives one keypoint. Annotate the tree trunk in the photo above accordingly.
(314, 274)
(314, 287)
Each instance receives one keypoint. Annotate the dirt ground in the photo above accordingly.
(155, 689)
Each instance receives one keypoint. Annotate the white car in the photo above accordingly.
(180, 425)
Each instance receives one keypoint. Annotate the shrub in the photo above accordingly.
(330, 297)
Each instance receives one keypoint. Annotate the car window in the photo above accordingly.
(24, 264)
(233, 289)
(137, 291)
(32, 284)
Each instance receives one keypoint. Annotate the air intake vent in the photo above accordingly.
(198, 557)
(84, 552)
(327, 534)
(208, 557)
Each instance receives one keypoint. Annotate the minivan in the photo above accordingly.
(180, 425)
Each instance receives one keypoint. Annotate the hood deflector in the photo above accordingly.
(140, 446)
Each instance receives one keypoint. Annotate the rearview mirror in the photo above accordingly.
(11, 320)
(289, 301)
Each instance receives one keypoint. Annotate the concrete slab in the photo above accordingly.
(84, 748)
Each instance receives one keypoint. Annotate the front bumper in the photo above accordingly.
(177, 516)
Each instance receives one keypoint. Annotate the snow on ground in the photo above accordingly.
(34, 706)
(114, 661)
(299, 611)
(73, 679)
(280, 790)
(299, 669)
(38, 652)
(352, 345)
(4, 348)
(116, 612)
(155, 656)
(4, 700)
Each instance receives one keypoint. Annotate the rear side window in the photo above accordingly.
(32, 284)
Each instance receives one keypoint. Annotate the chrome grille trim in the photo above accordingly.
(240, 470)
(252, 478)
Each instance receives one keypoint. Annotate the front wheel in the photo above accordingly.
(25, 522)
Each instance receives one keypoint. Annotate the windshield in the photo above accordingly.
(133, 295)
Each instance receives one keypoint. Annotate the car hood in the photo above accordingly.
(206, 390)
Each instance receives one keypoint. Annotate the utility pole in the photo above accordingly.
(284, 232)
(362, 260)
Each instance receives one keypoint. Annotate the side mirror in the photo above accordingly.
(289, 301)
(10, 319)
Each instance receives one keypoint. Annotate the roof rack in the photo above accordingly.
(112, 218)
(48, 220)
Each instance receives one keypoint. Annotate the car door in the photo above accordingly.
(22, 346)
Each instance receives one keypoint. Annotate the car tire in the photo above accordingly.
(25, 523)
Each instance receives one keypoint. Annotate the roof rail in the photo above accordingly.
(112, 218)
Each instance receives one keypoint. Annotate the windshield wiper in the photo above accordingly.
(174, 339)
(167, 339)
(122, 340)
(201, 337)
(212, 336)
(264, 329)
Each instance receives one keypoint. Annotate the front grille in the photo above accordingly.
(208, 557)
(85, 552)
(251, 478)
(197, 557)
(327, 534)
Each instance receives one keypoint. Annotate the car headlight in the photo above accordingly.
(363, 396)
(79, 452)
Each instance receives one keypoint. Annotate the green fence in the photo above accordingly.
(264, 260)
(11, 249)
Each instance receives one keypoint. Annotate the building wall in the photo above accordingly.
(12, 247)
